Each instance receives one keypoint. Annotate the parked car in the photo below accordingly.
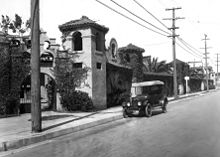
(144, 98)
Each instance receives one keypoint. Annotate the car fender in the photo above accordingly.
(146, 102)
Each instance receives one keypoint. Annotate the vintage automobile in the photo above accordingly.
(144, 98)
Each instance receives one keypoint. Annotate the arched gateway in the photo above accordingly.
(47, 79)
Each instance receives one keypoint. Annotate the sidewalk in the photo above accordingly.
(15, 132)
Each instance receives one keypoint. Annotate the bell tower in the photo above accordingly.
(85, 39)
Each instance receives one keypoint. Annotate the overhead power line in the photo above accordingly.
(187, 45)
(150, 14)
(130, 18)
(139, 17)
(190, 46)
(195, 55)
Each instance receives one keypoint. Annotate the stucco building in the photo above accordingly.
(85, 39)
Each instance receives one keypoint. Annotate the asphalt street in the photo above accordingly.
(190, 128)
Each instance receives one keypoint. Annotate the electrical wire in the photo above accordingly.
(191, 48)
(150, 14)
(195, 55)
(130, 18)
(139, 17)
(181, 40)
(187, 45)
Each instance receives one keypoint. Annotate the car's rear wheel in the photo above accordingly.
(148, 110)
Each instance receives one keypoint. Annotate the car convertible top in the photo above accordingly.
(147, 83)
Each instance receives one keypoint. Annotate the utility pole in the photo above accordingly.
(173, 28)
(206, 62)
(217, 67)
(35, 67)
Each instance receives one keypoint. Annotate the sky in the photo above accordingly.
(201, 17)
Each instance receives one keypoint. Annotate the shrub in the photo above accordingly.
(9, 105)
(77, 100)
(68, 78)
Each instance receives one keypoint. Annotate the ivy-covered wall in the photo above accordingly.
(13, 70)
(119, 81)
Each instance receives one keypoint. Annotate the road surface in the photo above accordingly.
(190, 128)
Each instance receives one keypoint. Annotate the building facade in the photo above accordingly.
(85, 40)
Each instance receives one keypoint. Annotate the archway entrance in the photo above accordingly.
(48, 93)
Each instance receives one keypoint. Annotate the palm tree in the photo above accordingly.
(152, 65)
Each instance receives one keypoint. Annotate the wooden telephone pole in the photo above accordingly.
(206, 62)
(217, 67)
(173, 28)
(35, 67)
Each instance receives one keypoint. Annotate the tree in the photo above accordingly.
(197, 72)
(152, 65)
(17, 25)
(5, 24)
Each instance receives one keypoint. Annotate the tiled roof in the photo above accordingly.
(83, 22)
(132, 48)
(177, 62)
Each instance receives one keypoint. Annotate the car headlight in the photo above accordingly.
(139, 103)
(128, 104)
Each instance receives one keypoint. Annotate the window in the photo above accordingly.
(98, 42)
(113, 51)
(99, 66)
(77, 41)
(77, 65)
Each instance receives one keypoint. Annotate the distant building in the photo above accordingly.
(133, 56)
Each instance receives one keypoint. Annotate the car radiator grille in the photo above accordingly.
(134, 105)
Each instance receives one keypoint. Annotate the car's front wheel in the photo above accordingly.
(148, 110)
(125, 115)
(164, 107)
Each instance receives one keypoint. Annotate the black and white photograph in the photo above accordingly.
(109, 78)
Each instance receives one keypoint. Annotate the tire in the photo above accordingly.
(125, 115)
(164, 107)
(148, 110)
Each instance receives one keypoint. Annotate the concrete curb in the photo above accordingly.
(192, 95)
(15, 144)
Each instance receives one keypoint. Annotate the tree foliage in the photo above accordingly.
(17, 25)
(197, 72)
(153, 65)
